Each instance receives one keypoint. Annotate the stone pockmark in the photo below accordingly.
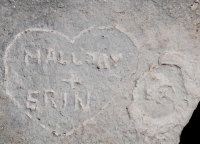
(63, 83)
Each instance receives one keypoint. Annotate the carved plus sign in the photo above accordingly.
(72, 80)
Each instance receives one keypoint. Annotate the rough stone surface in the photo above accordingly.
(98, 71)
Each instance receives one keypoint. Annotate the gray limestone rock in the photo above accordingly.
(98, 71)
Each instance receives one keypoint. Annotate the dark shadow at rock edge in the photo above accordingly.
(190, 133)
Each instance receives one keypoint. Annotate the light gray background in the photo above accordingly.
(157, 26)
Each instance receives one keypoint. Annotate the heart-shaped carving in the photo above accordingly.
(63, 83)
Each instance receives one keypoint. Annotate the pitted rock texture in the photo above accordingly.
(98, 71)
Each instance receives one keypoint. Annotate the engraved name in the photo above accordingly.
(100, 60)
(50, 95)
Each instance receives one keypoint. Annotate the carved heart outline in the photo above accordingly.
(71, 40)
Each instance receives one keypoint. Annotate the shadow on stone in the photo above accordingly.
(190, 133)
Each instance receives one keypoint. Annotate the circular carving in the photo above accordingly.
(159, 100)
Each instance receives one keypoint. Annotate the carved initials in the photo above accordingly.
(79, 101)
(103, 61)
(90, 57)
(34, 56)
(52, 93)
(116, 57)
(51, 55)
(75, 61)
(61, 61)
(64, 100)
(31, 102)
(100, 60)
